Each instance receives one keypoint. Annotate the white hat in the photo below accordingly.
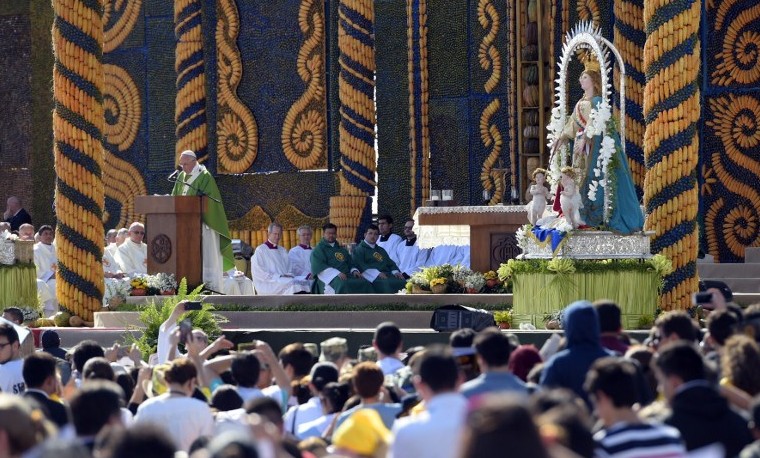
(189, 152)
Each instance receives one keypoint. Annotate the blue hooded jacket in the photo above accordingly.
(568, 368)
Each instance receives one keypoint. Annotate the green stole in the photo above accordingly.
(214, 216)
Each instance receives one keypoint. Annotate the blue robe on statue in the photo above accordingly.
(626, 216)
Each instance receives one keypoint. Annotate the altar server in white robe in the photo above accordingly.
(132, 255)
(300, 255)
(388, 240)
(121, 236)
(112, 274)
(270, 267)
(46, 262)
(411, 258)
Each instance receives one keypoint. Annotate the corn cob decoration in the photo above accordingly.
(237, 134)
(356, 86)
(126, 13)
(77, 130)
(304, 131)
(190, 105)
(671, 146)
(123, 112)
(629, 40)
(490, 59)
(417, 67)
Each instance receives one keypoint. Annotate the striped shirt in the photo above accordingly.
(640, 440)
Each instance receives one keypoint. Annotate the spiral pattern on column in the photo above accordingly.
(237, 133)
(490, 59)
(78, 133)
(629, 40)
(304, 131)
(356, 85)
(671, 145)
(122, 109)
(190, 105)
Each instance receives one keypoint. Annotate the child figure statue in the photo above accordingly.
(570, 198)
(540, 193)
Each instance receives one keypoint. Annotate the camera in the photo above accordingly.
(704, 299)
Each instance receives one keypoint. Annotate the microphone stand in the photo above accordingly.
(201, 195)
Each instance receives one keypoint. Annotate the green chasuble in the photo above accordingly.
(323, 256)
(214, 216)
(365, 257)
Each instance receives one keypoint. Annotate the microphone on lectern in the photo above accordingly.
(173, 176)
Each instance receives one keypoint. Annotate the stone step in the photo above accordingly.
(289, 320)
(740, 285)
(752, 255)
(278, 338)
(728, 270)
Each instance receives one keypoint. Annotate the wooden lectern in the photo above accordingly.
(173, 229)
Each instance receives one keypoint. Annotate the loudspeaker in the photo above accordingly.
(453, 317)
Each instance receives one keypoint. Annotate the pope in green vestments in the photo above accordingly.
(376, 265)
(192, 181)
(332, 268)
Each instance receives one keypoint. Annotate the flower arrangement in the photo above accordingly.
(503, 318)
(474, 282)
(116, 292)
(437, 281)
(163, 282)
(490, 275)
(139, 283)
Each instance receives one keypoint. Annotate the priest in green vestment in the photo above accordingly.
(196, 180)
(376, 266)
(332, 268)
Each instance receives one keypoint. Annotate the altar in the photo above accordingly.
(488, 230)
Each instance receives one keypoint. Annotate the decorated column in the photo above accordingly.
(352, 209)
(671, 144)
(78, 133)
(190, 110)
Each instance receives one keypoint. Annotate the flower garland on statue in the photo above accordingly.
(600, 124)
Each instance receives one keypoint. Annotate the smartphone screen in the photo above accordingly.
(193, 305)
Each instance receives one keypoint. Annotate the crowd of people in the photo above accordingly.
(684, 391)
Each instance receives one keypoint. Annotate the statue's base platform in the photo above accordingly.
(581, 244)
(537, 295)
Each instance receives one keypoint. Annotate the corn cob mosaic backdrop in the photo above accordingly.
(78, 123)
(419, 135)
(304, 133)
(731, 139)
(357, 118)
(190, 111)
(629, 39)
(671, 142)
(489, 58)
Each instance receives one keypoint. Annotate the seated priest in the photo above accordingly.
(333, 268)
(132, 255)
(300, 255)
(270, 267)
(411, 258)
(46, 261)
(377, 267)
(388, 240)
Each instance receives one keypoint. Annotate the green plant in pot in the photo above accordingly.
(553, 320)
